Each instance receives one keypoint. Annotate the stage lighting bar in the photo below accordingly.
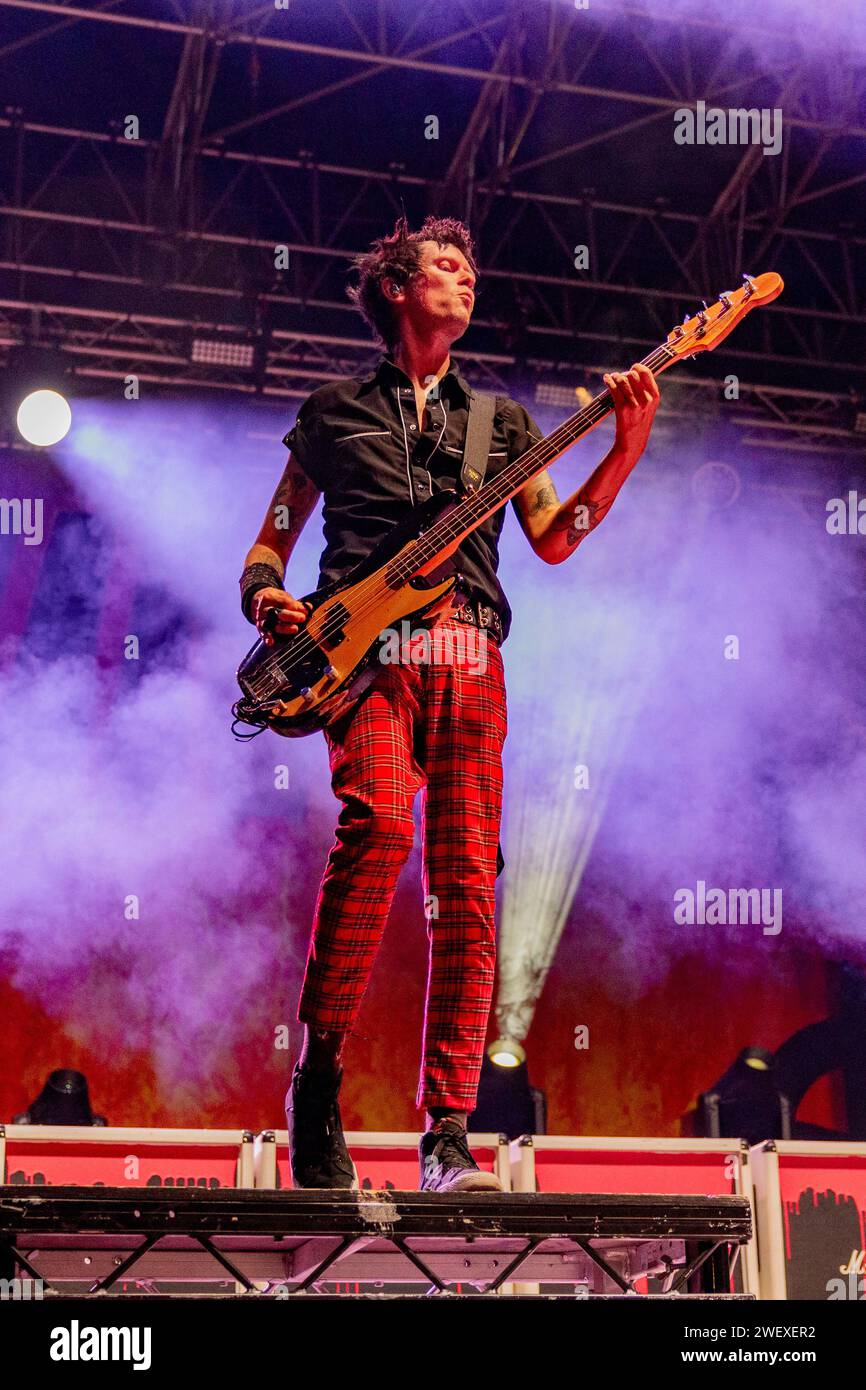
(223, 352)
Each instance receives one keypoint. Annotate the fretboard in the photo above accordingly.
(476, 507)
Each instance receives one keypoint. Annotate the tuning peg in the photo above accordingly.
(725, 298)
(750, 284)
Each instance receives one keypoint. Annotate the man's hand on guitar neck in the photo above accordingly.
(553, 528)
(635, 397)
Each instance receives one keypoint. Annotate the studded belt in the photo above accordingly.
(481, 615)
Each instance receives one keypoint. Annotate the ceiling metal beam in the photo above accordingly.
(581, 284)
(128, 242)
(753, 221)
(662, 104)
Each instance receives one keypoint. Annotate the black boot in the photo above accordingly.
(447, 1165)
(317, 1148)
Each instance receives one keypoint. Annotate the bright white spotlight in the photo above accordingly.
(505, 1052)
(44, 418)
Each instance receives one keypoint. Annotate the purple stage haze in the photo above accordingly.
(125, 780)
(773, 31)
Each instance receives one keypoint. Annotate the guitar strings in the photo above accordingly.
(451, 526)
(547, 448)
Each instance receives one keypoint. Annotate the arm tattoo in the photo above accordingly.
(545, 498)
(585, 517)
(292, 487)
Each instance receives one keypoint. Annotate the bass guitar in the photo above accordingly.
(310, 680)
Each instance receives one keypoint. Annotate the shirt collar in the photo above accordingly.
(387, 370)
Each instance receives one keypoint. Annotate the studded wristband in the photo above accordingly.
(257, 577)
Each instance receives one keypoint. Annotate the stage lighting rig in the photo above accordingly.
(746, 1102)
(35, 396)
(759, 1096)
(505, 1052)
(63, 1100)
(223, 351)
(507, 1103)
(43, 418)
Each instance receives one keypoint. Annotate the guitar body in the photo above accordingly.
(310, 680)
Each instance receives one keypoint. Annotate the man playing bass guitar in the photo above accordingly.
(375, 447)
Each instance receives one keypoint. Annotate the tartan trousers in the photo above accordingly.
(438, 727)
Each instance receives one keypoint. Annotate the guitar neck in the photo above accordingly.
(446, 534)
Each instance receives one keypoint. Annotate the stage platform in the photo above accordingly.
(107, 1240)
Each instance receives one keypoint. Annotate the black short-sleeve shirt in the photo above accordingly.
(358, 441)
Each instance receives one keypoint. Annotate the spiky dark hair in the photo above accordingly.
(398, 257)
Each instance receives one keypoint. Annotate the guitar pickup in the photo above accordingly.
(333, 624)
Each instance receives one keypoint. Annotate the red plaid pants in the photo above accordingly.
(439, 727)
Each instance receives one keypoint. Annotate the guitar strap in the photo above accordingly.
(476, 446)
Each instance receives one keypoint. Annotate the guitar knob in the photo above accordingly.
(330, 671)
(307, 692)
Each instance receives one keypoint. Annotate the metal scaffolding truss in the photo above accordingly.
(231, 159)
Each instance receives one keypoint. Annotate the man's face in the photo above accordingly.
(440, 298)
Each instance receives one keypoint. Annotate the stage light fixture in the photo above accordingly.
(63, 1100)
(43, 418)
(505, 1052)
(507, 1104)
(755, 1058)
(223, 352)
(35, 394)
(716, 484)
(746, 1102)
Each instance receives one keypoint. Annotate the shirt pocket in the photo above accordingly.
(359, 434)
(494, 458)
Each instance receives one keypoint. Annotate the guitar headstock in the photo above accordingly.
(706, 329)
